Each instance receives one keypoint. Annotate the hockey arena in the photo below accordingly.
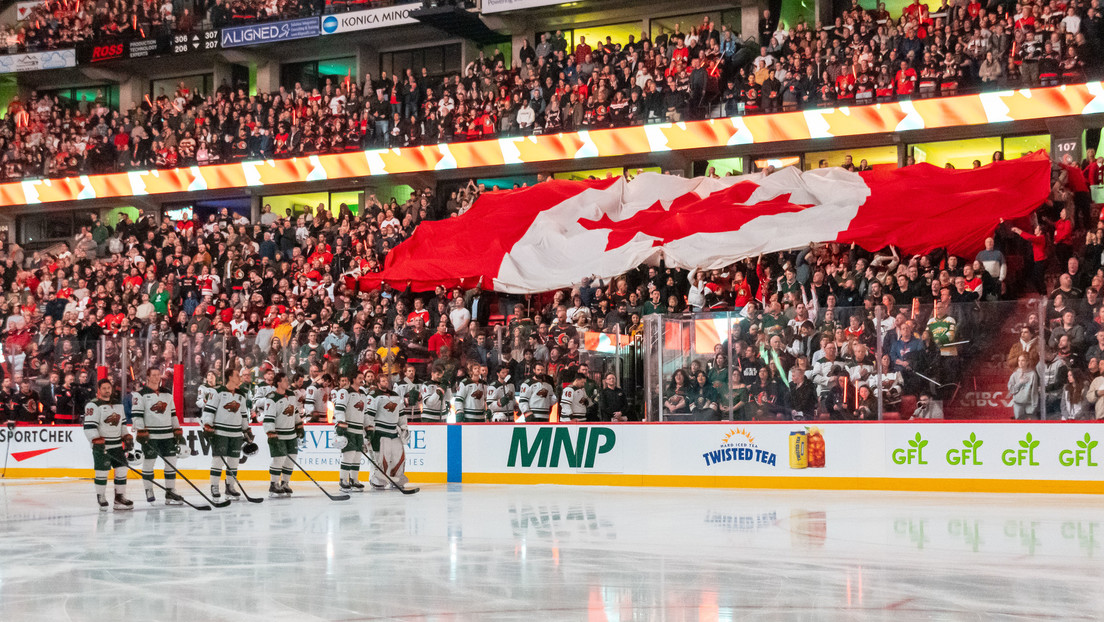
(594, 310)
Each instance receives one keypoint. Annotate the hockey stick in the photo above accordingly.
(7, 447)
(405, 491)
(204, 508)
(341, 497)
(217, 504)
(238, 482)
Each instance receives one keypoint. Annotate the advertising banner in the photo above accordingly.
(64, 451)
(23, 9)
(35, 61)
(366, 20)
(272, 32)
(144, 48)
(498, 6)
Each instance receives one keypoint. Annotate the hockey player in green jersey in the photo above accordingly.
(155, 425)
(104, 426)
(283, 424)
(226, 421)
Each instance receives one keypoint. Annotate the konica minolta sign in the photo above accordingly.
(365, 20)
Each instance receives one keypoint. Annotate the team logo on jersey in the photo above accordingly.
(477, 395)
(358, 405)
(113, 419)
(290, 410)
(233, 406)
(542, 393)
(159, 407)
(390, 407)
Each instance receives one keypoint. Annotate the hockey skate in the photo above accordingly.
(171, 498)
(285, 489)
(100, 499)
(346, 487)
(232, 493)
(275, 490)
(215, 494)
(122, 503)
(356, 485)
(149, 495)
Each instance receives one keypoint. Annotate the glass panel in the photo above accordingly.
(958, 153)
(874, 156)
(295, 204)
(1016, 146)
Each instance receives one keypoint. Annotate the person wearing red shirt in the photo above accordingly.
(582, 49)
(1038, 254)
(905, 81)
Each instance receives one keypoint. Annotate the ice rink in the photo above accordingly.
(467, 552)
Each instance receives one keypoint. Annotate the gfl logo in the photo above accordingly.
(1079, 456)
(913, 454)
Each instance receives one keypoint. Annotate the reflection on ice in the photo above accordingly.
(547, 552)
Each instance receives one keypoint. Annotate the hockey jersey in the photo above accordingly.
(537, 396)
(574, 403)
(281, 414)
(315, 400)
(154, 411)
(386, 414)
(500, 400)
(434, 401)
(205, 394)
(404, 388)
(470, 400)
(104, 420)
(349, 408)
(227, 412)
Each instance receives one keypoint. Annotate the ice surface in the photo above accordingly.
(551, 553)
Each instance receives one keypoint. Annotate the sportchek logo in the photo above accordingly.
(579, 447)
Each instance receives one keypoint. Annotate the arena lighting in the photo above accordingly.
(945, 112)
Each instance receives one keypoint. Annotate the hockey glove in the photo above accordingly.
(128, 442)
(248, 435)
(142, 435)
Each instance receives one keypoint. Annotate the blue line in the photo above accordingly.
(455, 454)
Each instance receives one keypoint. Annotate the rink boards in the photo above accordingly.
(929, 456)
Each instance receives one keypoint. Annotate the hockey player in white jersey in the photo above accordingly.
(574, 403)
(500, 397)
(153, 413)
(261, 390)
(104, 426)
(283, 424)
(407, 388)
(318, 392)
(537, 396)
(470, 397)
(389, 436)
(226, 422)
(434, 397)
(350, 405)
(206, 391)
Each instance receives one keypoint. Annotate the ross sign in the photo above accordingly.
(273, 32)
(195, 42)
(498, 6)
(36, 61)
(107, 51)
(366, 20)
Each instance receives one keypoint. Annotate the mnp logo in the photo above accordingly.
(543, 447)
(739, 445)
(329, 25)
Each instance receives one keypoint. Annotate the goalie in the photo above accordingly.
(389, 437)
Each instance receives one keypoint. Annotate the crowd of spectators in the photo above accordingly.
(282, 293)
(863, 57)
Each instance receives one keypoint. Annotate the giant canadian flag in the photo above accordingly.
(557, 233)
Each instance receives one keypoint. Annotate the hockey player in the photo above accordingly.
(104, 426)
(433, 397)
(470, 398)
(206, 391)
(155, 425)
(283, 424)
(500, 397)
(226, 421)
(537, 396)
(574, 403)
(318, 391)
(261, 390)
(389, 436)
(349, 408)
(407, 388)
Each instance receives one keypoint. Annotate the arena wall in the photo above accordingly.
(962, 457)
